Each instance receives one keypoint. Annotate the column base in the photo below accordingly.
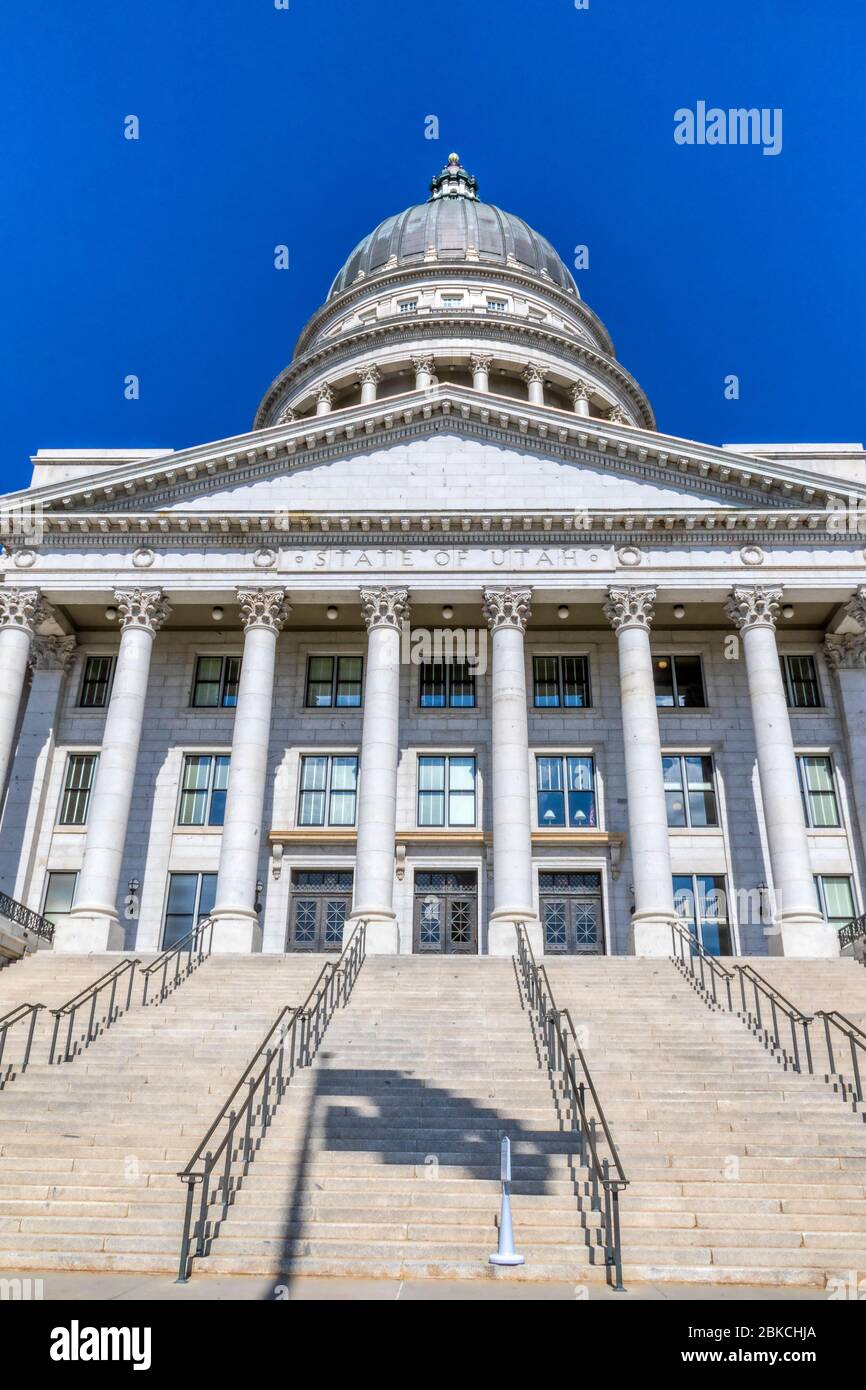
(502, 933)
(809, 938)
(88, 933)
(236, 933)
(649, 935)
(383, 933)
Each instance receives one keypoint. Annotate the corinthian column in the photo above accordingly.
(424, 368)
(580, 396)
(799, 929)
(385, 611)
(480, 364)
(534, 377)
(93, 924)
(507, 612)
(20, 611)
(370, 378)
(236, 923)
(846, 656)
(630, 613)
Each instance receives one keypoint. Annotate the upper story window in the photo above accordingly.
(328, 792)
(835, 898)
(334, 681)
(818, 789)
(203, 789)
(452, 301)
(499, 306)
(190, 897)
(407, 306)
(679, 682)
(96, 682)
(565, 791)
(80, 772)
(446, 791)
(216, 682)
(561, 681)
(800, 676)
(446, 685)
(690, 792)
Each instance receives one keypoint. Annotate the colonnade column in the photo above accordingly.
(507, 612)
(236, 923)
(425, 369)
(798, 927)
(370, 378)
(580, 396)
(385, 610)
(324, 400)
(20, 611)
(630, 613)
(480, 364)
(93, 924)
(846, 657)
(534, 377)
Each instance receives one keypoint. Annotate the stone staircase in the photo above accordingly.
(740, 1171)
(90, 1149)
(44, 978)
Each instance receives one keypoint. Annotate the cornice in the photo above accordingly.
(454, 325)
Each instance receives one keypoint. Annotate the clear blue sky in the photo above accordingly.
(262, 126)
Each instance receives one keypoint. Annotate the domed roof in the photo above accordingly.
(453, 225)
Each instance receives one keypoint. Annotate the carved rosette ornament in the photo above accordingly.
(630, 608)
(22, 608)
(507, 608)
(144, 608)
(756, 606)
(264, 608)
(51, 653)
(385, 608)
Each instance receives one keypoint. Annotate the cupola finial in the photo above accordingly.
(453, 181)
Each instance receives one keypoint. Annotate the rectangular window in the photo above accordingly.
(565, 789)
(561, 681)
(818, 789)
(701, 899)
(190, 897)
(96, 682)
(835, 898)
(216, 682)
(498, 306)
(801, 682)
(446, 791)
(203, 789)
(679, 682)
(690, 791)
(80, 771)
(446, 684)
(452, 301)
(334, 681)
(408, 306)
(59, 895)
(328, 790)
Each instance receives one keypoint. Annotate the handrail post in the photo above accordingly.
(183, 1264)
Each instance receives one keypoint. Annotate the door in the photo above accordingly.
(571, 916)
(319, 905)
(446, 912)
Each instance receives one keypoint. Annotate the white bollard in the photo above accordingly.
(506, 1254)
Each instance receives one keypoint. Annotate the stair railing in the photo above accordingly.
(708, 976)
(856, 1040)
(566, 1059)
(25, 917)
(762, 1013)
(223, 1158)
(853, 931)
(177, 963)
(107, 984)
(19, 1014)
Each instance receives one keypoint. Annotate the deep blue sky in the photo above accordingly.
(306, 127)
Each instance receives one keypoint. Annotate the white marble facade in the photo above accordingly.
(453, 446)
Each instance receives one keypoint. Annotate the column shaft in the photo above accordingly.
(20, 611)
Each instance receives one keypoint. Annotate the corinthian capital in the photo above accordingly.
(846, 652)
(580, 390)
(384, 607)
(423, 362)
(264, 608)
(856, 607)
(754, 606)
(22, 608)
(534, 372)
(480, 361)
(51, 653)
(630, 608)
(507, 608)
(146, 608)
(370, 376)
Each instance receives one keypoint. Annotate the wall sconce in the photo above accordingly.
(260, 888)
(679, 610)
(217, 613)
(133, 885)
(447, 611)
(788, 610)
(562, 610)
(331, 612)
(111, 613)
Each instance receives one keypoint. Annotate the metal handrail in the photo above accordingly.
(290, 1043)
(564, 1053)
(852, 931)
(25, 917)
(707, 964)
(762, 989)
(92, 992)
(856, 1040)
(192, 947)
(7, 1021)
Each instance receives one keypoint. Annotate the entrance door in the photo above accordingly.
(319, 905)
(570, 905)
(446, 912)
